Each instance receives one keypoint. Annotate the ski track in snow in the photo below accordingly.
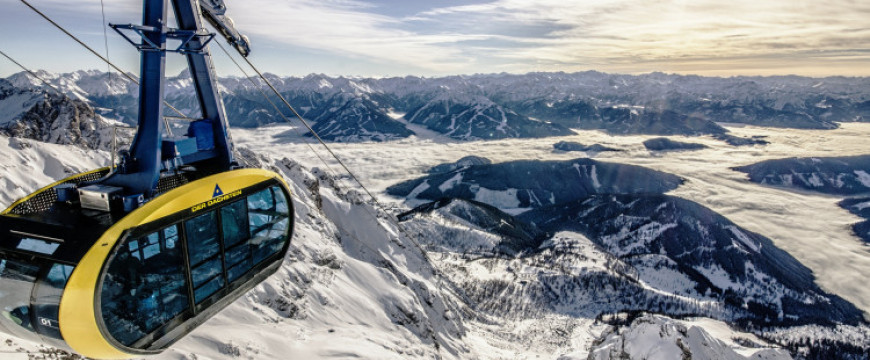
(811, 227)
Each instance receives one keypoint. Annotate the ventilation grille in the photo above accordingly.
(170, 182)
(44, 200)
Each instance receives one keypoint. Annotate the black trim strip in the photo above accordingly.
(36, 236)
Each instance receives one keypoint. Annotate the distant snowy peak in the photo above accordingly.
(82, 84)
(352, 118)
(476, 117)
(35, 113)
(25, 80)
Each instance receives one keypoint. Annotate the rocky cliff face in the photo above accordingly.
(46, 116)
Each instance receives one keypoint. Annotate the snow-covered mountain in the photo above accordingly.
(660, 253)
(349, 118)
(477, 117)
(503, 105)
(533, 184)
(835, 175)
(682, 248)
(844, 176)
(40, 114)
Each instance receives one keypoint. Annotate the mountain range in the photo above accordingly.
(498, 106)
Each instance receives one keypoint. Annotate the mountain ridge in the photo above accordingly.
(653, 103)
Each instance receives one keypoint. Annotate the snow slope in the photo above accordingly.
(350, 288)
(661, 338)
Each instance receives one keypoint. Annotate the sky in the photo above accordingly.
(379, 38)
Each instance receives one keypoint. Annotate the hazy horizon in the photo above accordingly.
(177, 72)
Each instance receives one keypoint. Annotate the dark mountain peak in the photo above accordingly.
(665, 144)
(535, 183)
(350, 117)
(722, 260)
(464, 162)
(575, 146)
(833, 175)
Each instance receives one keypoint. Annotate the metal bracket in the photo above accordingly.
(185, 36)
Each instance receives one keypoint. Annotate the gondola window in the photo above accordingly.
(144, 286)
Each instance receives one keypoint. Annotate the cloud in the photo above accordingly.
(598, 34)
(544, 35)
(348, 29)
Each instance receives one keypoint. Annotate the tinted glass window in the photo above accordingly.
(237, 255)
(206, 271)
(17, 279)
(151, 246)
(204, 249)
(58, 275)
(202, 237)
(47, 299)
(234, 222)
(269, 222)
(240, 268)
(171, 236)
(204, 291)
(144, 286)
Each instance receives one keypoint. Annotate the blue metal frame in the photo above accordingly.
(147, 45)
(139, 169)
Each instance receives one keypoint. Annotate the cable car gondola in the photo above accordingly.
(124, 261)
